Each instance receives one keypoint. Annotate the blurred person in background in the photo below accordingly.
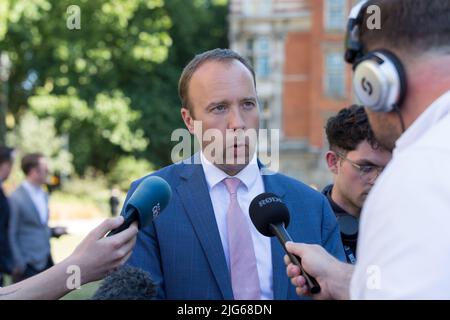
(6, 163)
(114, 201)
(29, 233)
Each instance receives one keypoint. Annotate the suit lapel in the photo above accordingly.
(194, 195)
(280, 280)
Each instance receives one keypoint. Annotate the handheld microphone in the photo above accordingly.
(148, 200)
(271, 217)
(127, 283)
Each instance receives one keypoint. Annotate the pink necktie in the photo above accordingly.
(244, 272)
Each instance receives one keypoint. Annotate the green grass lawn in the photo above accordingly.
(81, 214)
(85, 292)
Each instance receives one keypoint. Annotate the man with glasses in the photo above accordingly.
(355, 159)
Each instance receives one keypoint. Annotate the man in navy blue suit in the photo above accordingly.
(204, 246)
(6, 162)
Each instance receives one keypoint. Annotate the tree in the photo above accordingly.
(197, 26)
(39, 135)
(111, 84)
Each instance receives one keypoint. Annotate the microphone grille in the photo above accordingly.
(266, 209)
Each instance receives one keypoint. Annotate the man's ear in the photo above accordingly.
(332, 161)
(188, 119)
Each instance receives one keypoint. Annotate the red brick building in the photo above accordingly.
(297, 48)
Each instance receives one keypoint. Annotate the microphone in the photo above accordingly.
(271, 217)
(150, 197)
(127, 283)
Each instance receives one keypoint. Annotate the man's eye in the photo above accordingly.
(219, 108)
(367, 169)
(249, 104)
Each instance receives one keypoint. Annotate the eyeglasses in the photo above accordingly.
(368, 173)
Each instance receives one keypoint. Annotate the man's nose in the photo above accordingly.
(236, 120)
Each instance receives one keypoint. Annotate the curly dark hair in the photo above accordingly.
(349, 128)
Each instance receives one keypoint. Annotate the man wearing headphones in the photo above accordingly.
(404, 241)
(355, 159)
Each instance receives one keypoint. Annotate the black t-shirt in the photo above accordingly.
(348, 225)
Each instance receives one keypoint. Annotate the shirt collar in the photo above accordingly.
(435, 112)
(337, 209)
(214, 175)
(31, 188)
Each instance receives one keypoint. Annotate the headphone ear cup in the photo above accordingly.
(379, 81)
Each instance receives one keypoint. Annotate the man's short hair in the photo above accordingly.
(412, 26)
(30, 161)
(6, 154)
(346, 130)
(211, 55)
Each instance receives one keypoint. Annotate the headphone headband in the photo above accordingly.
(353, 45)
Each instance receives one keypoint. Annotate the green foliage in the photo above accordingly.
(92, 188)
(111, 86)
(102, 130)
(128, 169)
(197, 26)
(93, 182)
(39, 135)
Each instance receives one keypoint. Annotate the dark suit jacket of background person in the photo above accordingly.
(182, 249)
(5, 253)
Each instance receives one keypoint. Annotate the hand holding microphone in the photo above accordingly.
(271, 217)
(328, 271)
(97, 256)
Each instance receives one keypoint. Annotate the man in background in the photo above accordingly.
(6, 163)
(29, 232)
(355, 159)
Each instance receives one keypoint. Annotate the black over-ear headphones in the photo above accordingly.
(379, 78)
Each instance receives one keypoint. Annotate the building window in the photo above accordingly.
(262, 57)
(258, 54)
(257, 7)
(249, 51)
(335, 15)
(266, 115)
(334, 75)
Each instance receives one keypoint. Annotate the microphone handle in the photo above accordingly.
(129, 217)
(283, 236)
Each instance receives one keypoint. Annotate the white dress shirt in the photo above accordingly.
(251, 186)
(404, 238)
(39, 198)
